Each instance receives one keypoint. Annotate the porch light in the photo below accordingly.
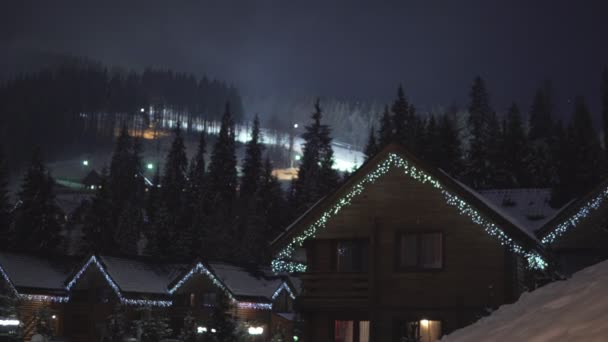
(255, 330)
(9, 322)
(424, 322)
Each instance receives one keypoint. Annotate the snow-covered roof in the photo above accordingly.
(572, 310)
(29, 273)
(243, 283)
(141, 276)
(528, 207)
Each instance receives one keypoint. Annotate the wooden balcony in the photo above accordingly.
(334, 289)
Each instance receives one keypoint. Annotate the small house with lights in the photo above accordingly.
(578, 235)
(92, 181)
(402, 251)
(80, 295)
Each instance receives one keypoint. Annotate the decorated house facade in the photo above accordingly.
(578, 235)
(77, 298)
(403, 252)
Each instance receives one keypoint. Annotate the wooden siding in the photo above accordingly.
(477, 273)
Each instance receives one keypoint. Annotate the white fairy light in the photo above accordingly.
(283, 262)
(32, 297)
(281, 288)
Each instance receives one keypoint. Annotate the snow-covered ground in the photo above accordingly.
(572, 310)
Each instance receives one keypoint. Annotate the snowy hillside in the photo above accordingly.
(571, 310)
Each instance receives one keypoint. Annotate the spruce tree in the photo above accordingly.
(198, 206)
(371, 148)
(562, 152)
(540, 163)
(586, 149)
(604, 96)
(432, 143)
(5, 207)
(450, 147)
(315, 176)
(478, 173)
(222, 320)
(252, 165)
(98, 228)
(128, 231)
(174, 177)
(222, 184)
(385, 133)
(272, 202)
(516, 149)
(37, 221)
(401, 118)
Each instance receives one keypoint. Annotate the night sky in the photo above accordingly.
(351, 49)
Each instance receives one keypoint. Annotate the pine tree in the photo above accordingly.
(604, 95)
(116, 329)
(5, 207)
(540, 163)
(372, 146)
(188, 331)
(222, 184)
(37, 221)
(152, 325)
(385, 133)
(516, 149)
(450, 147)
(128, 231)
(272, 202)
(174, 177)
(432, 143)
(153, 202)
(402, 119)
(540, 118)
(251, 220)
(562, 152)
(478, 172)
(198, 205)
(223, 321)
(586, 149)
(97, 227)
(315, 176)
(252, 165)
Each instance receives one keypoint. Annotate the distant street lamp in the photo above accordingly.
(142, 109)
(85, 162)
(295, 125)
(150, 166)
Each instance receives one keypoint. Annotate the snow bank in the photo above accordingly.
(572, 310)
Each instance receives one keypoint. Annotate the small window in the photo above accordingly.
(420, 251)
(352, 256)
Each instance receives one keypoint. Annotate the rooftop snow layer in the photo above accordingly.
(29, 271)
(529, 207)
(245, 284)
(140, 276)
(572, 310)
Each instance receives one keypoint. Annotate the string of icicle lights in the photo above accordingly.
(283, 262)
(575, 219)
(281, 288)
(127, 301)
(32, 297)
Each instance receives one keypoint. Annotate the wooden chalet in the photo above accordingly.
(403, 252)
(82, 295)
(578, 235)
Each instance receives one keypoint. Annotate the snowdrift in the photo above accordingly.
(571, 310)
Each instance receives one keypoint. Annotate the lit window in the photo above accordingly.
(420, 251)
(423, 330)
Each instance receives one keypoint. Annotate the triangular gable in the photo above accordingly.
(514, 238)
(284, 287)
(200, 268)
(94, 261)
(573, 214)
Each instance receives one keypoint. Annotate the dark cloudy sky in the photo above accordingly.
(350, 48)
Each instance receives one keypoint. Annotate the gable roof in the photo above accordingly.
(133, 282)
(529, 207)
(464, 199)
(574, 214)
(35, 277)
(246, 285)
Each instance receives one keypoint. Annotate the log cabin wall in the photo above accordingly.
(477, 271)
